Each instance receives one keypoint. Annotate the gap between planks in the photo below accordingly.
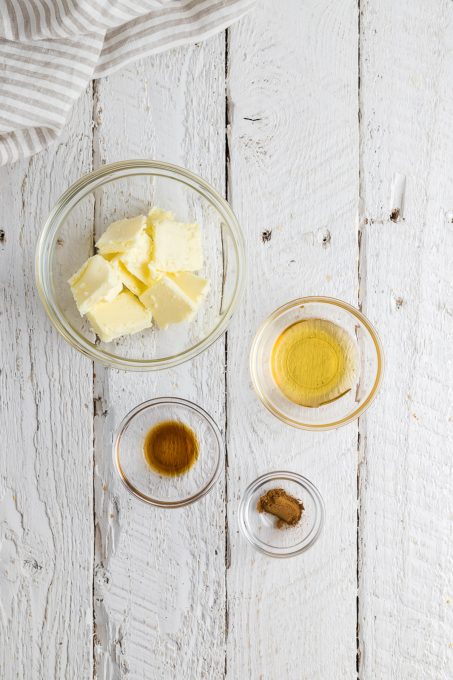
(95, 162)
(227, 541)
(361, 292)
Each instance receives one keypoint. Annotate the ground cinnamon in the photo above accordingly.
(282, 505)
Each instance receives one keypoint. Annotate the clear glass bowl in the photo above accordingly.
(160, 490)
(369, 361)
(260, 528)
(126, 189)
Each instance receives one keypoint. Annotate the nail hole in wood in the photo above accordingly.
(395, 215)
(324, 237)
(397, 302)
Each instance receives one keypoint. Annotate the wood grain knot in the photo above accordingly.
(99, 407)
(32, 566)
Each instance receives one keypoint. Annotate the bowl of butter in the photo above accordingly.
(140, 265)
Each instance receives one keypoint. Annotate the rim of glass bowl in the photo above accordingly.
(278, 476)
(122, 427)
(379, 372)
(71, 197)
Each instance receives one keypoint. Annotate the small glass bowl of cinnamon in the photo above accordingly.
(281, 514)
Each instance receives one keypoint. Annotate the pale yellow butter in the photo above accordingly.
(158, 215)
(168, 302)
(137, 259)
(95, 281)
(176, 246)
(122, 235)
(129, 280)
(154, 257)
(194, 286)
(124, 315)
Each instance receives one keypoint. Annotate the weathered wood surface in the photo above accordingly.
(294, 175)
(46, 459)
(160, 574)
(94, 584)
(406, 483)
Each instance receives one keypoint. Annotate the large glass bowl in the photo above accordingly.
(126, 189)
(367, 350)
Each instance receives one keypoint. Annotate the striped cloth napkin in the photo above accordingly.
(50, 50)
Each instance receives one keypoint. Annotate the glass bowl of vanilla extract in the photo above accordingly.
(168, 452)
(316, 363)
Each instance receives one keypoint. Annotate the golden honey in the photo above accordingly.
(314, 362)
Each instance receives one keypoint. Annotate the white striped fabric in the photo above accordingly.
(50, 50)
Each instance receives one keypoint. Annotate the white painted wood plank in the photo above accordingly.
(46, 520)
(406, 546)
(159, 589)
(294, 174)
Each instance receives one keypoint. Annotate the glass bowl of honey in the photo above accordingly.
(168, 452)
(316, 363)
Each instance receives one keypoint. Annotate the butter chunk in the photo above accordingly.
(122, 235)
(97, 280)
(158, 215)
(168, 302)
(137, 259)
(176, 246)
(124, 315)
(129, 280)
(193, 286)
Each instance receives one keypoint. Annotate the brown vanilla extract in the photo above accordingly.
(170, 448)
